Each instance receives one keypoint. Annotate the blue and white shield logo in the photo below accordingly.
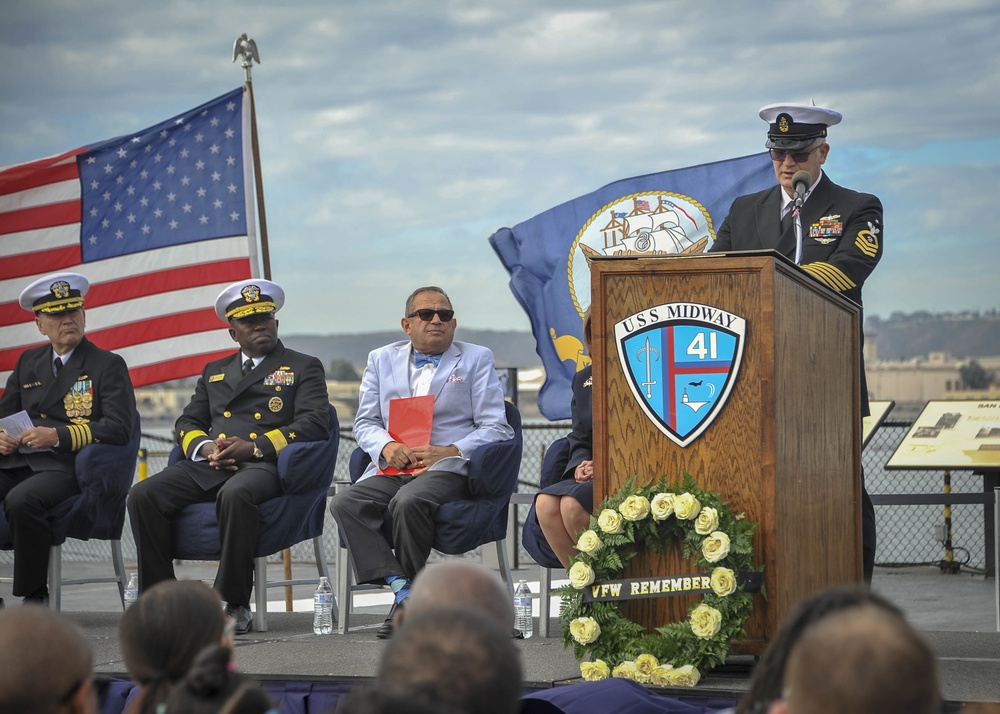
(681, 360)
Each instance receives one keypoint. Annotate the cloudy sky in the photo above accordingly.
(398, 135)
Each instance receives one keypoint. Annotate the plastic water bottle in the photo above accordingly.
(131, 590)
(323, 608)
(522, 610)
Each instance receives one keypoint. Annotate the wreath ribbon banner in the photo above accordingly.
(658, 516)
(664, 586)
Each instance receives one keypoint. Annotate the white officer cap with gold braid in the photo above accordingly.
(792, 127)
(249, 297)
(55, 293)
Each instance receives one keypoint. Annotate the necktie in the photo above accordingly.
(247, 367)
(57, 365)
(420, 360)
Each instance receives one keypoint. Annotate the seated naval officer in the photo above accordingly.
(246, 408)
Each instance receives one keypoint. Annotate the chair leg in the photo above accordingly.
(55, 577)
(119, 563)
(504, 564)
(344, 597)
(544, 603)
(319, 550)
(260, 594)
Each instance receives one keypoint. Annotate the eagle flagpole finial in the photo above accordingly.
(246, 49)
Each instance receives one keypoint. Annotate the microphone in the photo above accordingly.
(801, 181)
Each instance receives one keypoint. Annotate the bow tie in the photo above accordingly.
(420, 359)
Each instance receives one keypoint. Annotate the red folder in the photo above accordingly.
(410, 422)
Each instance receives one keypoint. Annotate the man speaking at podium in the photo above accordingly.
(840, 241)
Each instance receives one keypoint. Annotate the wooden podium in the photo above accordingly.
(785, 448)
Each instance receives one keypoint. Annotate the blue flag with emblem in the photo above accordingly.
(664, 213)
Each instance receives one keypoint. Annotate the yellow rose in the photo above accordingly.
(626, 670)
(585, 630)
(686, 506)
(593, 671)
(705, 621)
(662, 506)
(644, 666)
(610, 521)
(589, 542)
(660, 676)
(580, 575)
(634, 508)
(686, 676)
(707, 521)
(715, 547)
(723, 582)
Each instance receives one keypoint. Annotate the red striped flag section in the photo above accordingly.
(159, 221)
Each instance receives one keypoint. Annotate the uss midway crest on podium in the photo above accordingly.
(681, 360)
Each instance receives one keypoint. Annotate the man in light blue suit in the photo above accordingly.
(468, 413)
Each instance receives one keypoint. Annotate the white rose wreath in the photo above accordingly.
(652, 517)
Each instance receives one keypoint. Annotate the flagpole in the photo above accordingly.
(246, 49)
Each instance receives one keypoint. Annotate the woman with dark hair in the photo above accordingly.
(213, 686)
(562, 510)
(163, 632)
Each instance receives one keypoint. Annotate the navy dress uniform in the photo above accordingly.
(277, 399)
(87, 398)
(842, 232)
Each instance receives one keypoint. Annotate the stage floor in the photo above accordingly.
(957, 613)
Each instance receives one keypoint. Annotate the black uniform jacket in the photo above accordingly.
(282, 401)
(91, 401)
(841, 233)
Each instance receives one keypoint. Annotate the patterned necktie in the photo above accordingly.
(420, 360)
(247, 367)
(57, 365)
(786, 222)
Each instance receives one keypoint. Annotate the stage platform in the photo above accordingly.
(957, 613)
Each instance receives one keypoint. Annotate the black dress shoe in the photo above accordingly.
(242, 617)
(39, 597)
(385, 631)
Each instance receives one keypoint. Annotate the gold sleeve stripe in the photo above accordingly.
(277, 439)
(191, 436)
(829, 274)
(79, 436)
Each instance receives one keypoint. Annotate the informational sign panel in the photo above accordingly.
(879, 411)
(952, 435)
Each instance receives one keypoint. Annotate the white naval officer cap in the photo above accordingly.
(796, 126)
(55, 293)
(249, 297)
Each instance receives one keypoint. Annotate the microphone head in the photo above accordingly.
(801, 181)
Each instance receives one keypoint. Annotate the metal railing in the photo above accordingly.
(908, 525)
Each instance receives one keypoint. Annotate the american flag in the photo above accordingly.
(159, 221)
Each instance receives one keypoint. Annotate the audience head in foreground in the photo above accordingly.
(45, 664)
(163, 632)
(457, 658)
(212, 685)
(864, 661)
(460, 583)
(768, 675)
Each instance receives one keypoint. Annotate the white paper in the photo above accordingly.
(17, 424)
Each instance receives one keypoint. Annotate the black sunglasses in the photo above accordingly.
(427, 314)
(799, 157)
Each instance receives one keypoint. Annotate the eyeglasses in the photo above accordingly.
(427, 314)
(799, 157)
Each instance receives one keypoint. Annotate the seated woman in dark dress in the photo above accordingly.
(562, 510)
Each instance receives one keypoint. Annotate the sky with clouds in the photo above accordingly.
(398, 135)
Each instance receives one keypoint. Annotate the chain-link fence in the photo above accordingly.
(906, 534)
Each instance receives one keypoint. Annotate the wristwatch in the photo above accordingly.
(257, 453)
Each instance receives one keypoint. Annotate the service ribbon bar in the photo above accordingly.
(640, 588)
